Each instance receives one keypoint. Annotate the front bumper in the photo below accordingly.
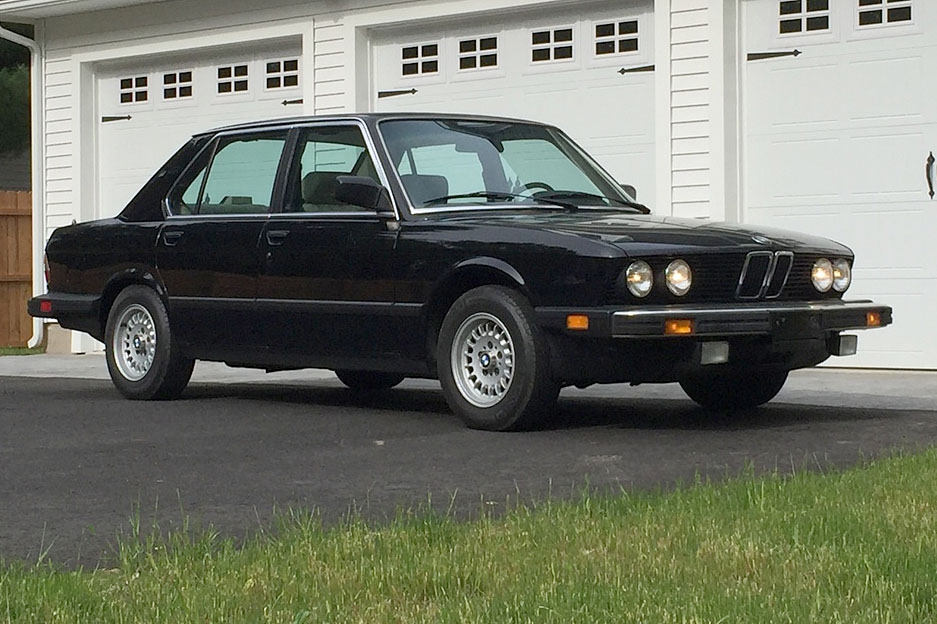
(780, 320)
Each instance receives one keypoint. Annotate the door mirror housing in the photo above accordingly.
(630, 190)
(364, 192)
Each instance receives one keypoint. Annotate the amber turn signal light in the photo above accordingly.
(578, 322)
(873, 319)
(678, 327)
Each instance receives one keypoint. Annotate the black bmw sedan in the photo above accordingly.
(492, 254)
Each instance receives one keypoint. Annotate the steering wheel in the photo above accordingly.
(535, 185)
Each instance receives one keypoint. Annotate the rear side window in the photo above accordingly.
(237, 175)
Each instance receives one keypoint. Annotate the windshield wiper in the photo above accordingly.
(502, 196)
(556, 195)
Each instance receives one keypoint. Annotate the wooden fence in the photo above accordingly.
(15, 267)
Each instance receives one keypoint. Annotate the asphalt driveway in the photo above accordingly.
(77, 461)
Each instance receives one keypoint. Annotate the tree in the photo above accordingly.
(14, 109)
(13, 55)
(14, 92)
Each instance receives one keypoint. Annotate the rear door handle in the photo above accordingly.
(275, 238)
(172, 237)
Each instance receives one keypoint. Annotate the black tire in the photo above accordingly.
(734, 390)
(531, 393)
(365, 381)
(170, 371)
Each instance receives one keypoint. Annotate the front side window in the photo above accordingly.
(454, 164)
(323, 154)
(236, 176)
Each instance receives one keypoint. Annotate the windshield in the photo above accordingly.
(458, 165)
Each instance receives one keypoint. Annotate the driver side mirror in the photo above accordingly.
(630, 190)
(364, 192)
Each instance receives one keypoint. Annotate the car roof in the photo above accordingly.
(365, 117)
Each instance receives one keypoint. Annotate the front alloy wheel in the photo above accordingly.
(493, 361)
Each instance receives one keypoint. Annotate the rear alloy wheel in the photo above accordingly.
(493, 361)
(368, 380)
(142, 358)
(734, 390)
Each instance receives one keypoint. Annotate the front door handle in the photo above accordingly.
(172, 237)
(929, 173)
(275, 238)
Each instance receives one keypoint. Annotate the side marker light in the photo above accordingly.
(578, 322)
(873, 319)
(45, 306)
(678, 327)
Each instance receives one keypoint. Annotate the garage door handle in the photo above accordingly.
(275, 238)
(929, 173)
(171, 238)
(760, 56)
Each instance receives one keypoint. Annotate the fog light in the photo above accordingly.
(678, 327)
(577, 321)
(714, 353)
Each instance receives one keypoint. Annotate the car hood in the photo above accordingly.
(654, 235)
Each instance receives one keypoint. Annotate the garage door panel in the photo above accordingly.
(794, 170)
(804, 98)
(886, 90)
(901, 181)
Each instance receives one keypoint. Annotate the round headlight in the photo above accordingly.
(842, 275)
(640, 278)
(822, 275)
(679, 277)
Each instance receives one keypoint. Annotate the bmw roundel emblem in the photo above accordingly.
(761, 240)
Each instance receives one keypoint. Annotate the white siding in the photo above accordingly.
(691, 126)
(60, 85)
(330, 66)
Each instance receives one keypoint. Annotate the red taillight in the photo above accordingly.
(45, 266)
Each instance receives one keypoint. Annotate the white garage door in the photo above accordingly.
(149, 110)
(588, 71)
(840, 118)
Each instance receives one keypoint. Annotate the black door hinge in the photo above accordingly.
(387, 94)
(635, 70)
(760, 56)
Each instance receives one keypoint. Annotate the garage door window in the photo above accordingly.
(239, 179)
(420, 59)
(804, 16)
(283, 74)
(478, 53)
(134, 90)
(879, 12)
(616, 37)
(552, 45)
(177, 85)
(233, 79)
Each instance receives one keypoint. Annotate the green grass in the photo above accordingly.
(851, 547)
(21, 351)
